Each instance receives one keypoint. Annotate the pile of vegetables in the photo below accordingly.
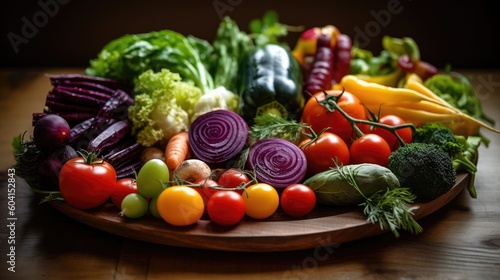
(80, 112)
(180, 128)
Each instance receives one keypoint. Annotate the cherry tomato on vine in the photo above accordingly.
(86, 182)
(392, 120)
(226, 208)
(370, 148)
(203, 188)
(324, 152)
(297, 200)
(180, 205)
(233, 178)
(123, 187)
(319, 117)
(261, 200)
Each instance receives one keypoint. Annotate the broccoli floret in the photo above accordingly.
(424, 168)
(434, 133)
(456, 146)
(439, 134)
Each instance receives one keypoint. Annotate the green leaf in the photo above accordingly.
(17, 144)
(270, 18)
(126, 57)
(269, 125)
(52, 196)
(390, 209)
(268, 29)
(255, 26)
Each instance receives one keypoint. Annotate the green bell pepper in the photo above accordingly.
(270, 81)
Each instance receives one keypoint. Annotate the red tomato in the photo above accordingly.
(205, 191)
(226, 208)
(233, 178)
(370, 148)
(86, 185)
(322, 153)
(297, 200)
(319, 117)
(391, 120)
(123, 187)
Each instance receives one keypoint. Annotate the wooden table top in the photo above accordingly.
(460, 241)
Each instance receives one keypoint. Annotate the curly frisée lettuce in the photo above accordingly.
(163, 106)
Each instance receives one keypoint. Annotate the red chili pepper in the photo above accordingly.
(306, 44)
(321, 74)
(342, 54)
(423, 69)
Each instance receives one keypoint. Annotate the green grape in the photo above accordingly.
(152, 207)
(134, 206)
(153, 177)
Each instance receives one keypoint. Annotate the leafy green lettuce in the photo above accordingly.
(126, 57)
(163, 106)
(207, 65)
(457, 90)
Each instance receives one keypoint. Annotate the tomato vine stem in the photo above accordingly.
(330, 103)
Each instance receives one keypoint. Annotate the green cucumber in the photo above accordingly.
(332, 187)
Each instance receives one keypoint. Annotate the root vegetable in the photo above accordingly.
(151, 153)
(415, 103)
(177, 150)
(191, 170)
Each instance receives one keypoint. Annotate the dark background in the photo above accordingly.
(463, 34)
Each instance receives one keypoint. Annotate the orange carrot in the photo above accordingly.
(177, 150)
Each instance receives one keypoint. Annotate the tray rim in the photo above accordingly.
(304, 233)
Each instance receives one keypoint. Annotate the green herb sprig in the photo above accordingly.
(390, 209)
(269, 125)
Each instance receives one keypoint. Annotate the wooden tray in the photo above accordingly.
(324, 226)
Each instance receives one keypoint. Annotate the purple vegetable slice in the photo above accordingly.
(110, 136)
(94, 87)
(116, 106)
(80, 95)
(277, 162)
(218, 136)
(82, 133)
(124, 156)
(54, 105)
(129, 171)
(58, 79)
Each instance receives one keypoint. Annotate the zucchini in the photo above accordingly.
(333, 186)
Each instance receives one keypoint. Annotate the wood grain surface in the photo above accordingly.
(460, 241)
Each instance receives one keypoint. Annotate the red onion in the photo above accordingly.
(218, 136)
(277, 162)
